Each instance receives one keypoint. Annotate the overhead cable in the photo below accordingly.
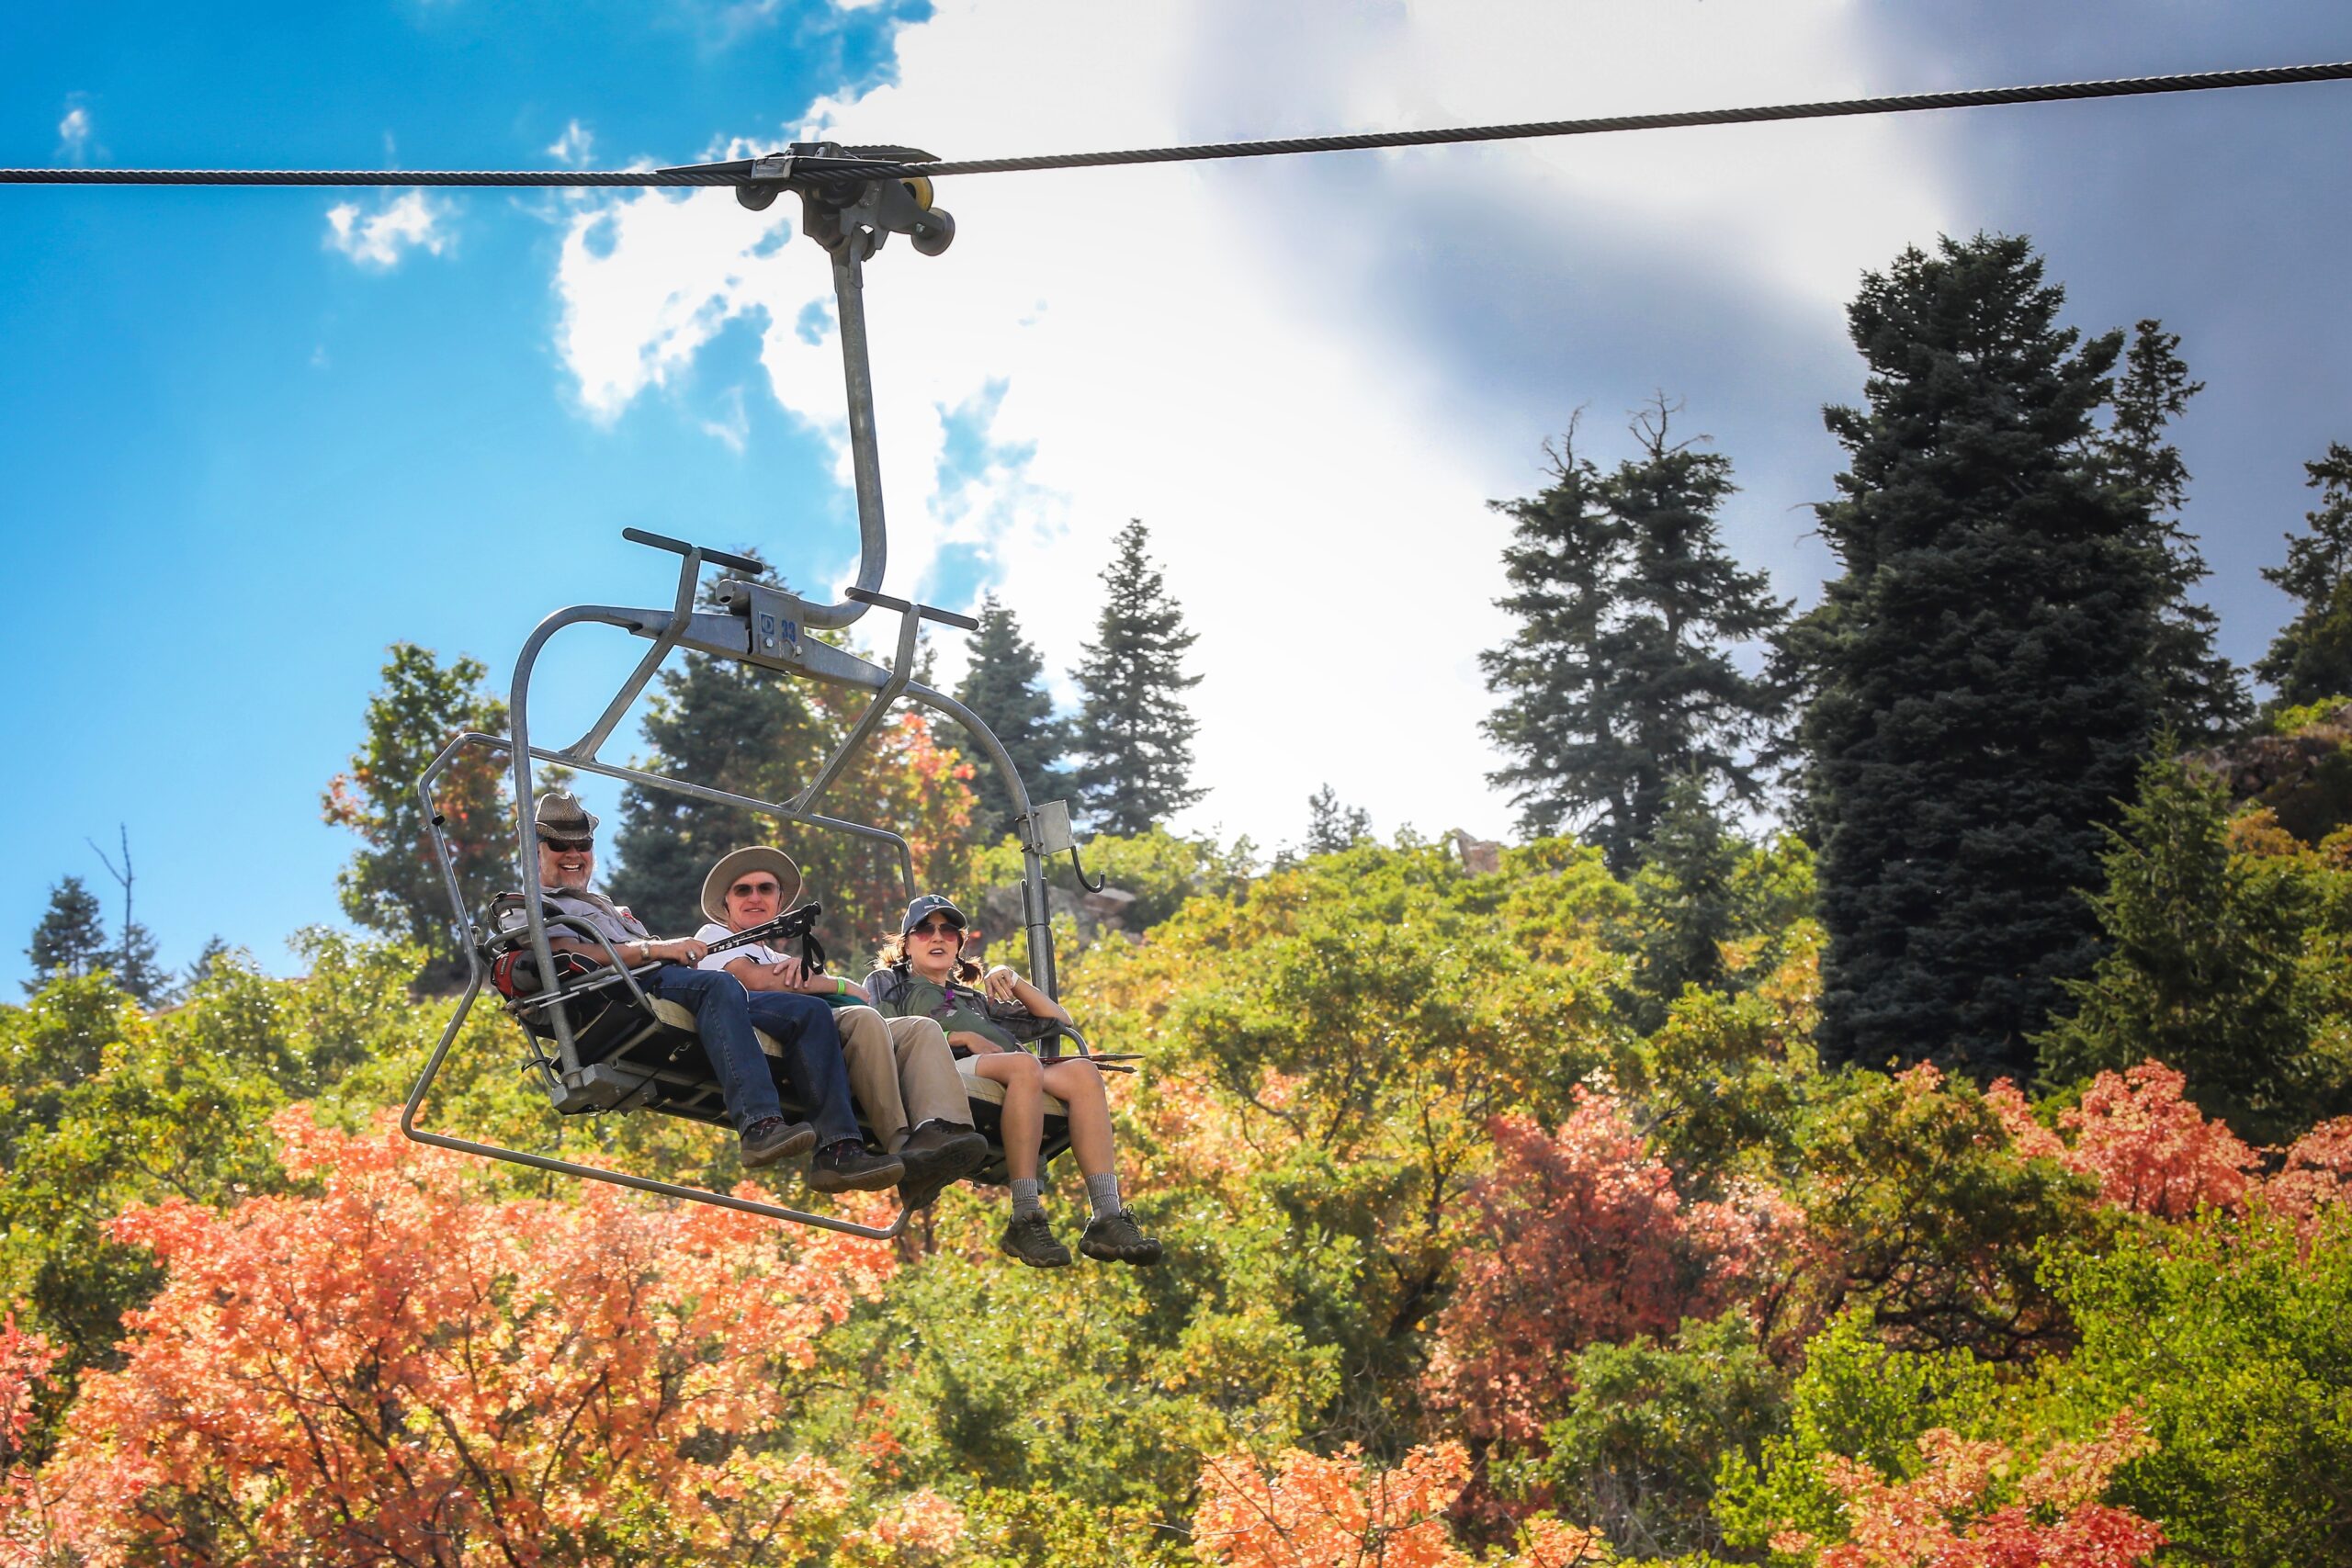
(745, 171)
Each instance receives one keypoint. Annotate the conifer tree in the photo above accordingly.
(1135, 734)
(1620, 677)
(393, 885)
(1685, 900)
(72, 936)
(1006, 687)
(2204, 695)
(2312, 656)
(1981, 691)
(2204, 968)
(1333, 826)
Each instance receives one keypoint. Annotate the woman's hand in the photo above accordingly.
(1001, 983)
(977, 1044)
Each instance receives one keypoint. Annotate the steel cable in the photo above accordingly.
(856, 168)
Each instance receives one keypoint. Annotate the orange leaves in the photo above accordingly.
(1583, 1239)
(2153, 1151)
(1307, 1511)
(397, 1368)
(1944, 1517)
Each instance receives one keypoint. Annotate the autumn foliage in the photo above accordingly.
(1304, 1510)
(1946, 1517)
(395, 1370)
(1583, 1240)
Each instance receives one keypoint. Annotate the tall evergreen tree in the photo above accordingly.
(2204, 695)
(1006, 687)
(393, 885)
(1135, 733)
(133, 959)
(1981, 692)
(72, 936)
(1620, 677)
(1686, 905)
(2312, 656)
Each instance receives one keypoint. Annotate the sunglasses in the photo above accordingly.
(755, 890)
(937, 928)
(568, 846)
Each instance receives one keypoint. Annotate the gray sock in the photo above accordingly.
(1024, 1196)
(1103, 1192)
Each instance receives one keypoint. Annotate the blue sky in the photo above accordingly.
(237, 459)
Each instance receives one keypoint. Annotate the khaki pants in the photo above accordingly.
(901, 1073)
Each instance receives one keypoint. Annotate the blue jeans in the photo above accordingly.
(725, 1014)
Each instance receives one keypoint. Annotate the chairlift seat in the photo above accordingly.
(653, 1059)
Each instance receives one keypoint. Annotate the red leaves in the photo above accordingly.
(396, 1368)
(1583, 1239)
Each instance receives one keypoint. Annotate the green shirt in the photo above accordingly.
(957, 1008)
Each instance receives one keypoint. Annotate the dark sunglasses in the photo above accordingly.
(755, 890)
(937, 928)
(568, 846)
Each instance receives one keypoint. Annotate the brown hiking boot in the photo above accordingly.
(848, 1167)
(1030, 1239)
(1116, 1238)
(772, 1138)
(939, 1154)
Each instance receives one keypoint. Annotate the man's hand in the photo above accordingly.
(979, 1044)
(789, 973)
(679, 950)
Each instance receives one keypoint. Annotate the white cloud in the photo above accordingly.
(379, 239)
(1207, 346)
(574, 146)
(74, 134)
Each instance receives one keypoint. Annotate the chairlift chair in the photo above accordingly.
(598, 1042)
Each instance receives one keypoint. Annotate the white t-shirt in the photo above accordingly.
(758, 952)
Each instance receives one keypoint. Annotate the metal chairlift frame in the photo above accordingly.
(758, 624)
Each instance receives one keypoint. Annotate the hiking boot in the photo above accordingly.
(1030, 1239)
(848, 1167)
(1116, 1238)
(939, 1154)
(772, 1138)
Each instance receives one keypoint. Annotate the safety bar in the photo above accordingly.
(680, 547)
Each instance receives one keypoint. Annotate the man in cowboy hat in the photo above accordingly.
(725, 1015)
(900, 1069)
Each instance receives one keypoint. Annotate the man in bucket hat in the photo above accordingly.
(725, 1015)
(900, 1069)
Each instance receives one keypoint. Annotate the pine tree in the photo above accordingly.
(1980, 679)
(1006, 687)
(72, 936)
(2204, 695)
(1135, 734)
(1686, 902)
(394, 884)
(2311, 659)
(2205, 966)
(1333, 826)
(133, 959)
(1620, 677)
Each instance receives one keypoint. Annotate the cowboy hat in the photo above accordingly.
(730, 869)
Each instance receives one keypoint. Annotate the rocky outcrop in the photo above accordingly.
(2304, 778)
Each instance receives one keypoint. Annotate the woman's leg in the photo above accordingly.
(1078, 1085)
(1024, 1114)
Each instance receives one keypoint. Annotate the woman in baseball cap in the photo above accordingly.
(925, 975)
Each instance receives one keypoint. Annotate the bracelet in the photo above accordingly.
(840, 987)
